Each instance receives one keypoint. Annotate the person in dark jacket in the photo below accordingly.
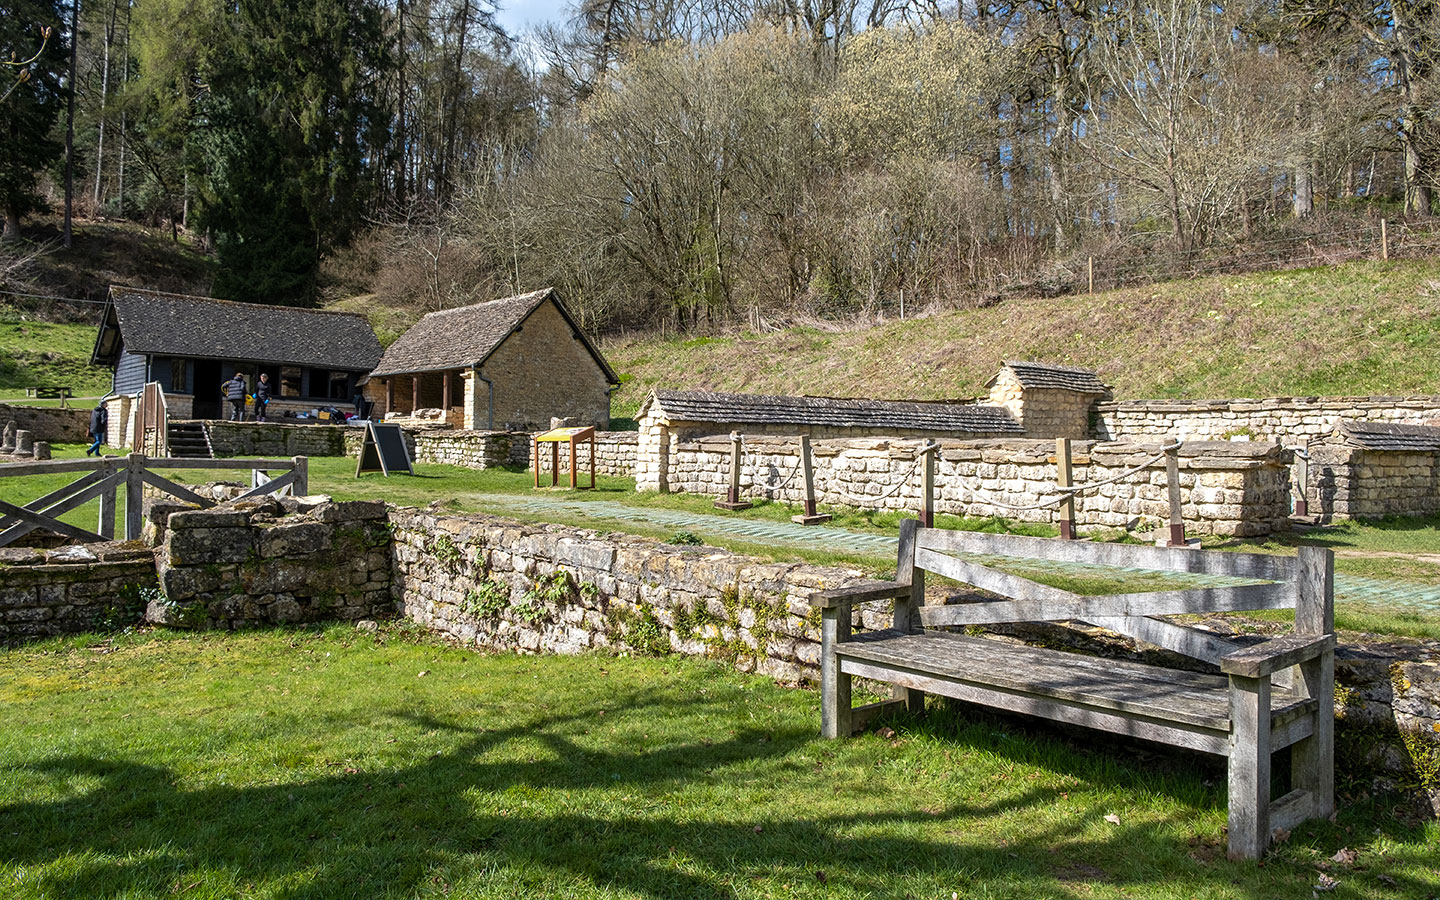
(262, 397)
(99, 426)
(235, 393)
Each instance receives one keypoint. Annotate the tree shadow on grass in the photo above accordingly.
(536, 807)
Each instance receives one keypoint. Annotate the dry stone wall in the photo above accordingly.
(491, 582)
(1289, 420)
(1227, 488)
(72, 589)
(270, 562)
(276, 439)
(614, 454)
(1346, 482)
(50, 424)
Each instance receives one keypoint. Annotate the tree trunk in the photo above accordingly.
(1303, 201)
(70, 120)
(12, 226)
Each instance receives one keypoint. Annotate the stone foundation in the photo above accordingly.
(73, 589)
(1347, 482)
(1227, 488)
(276, 439)
(51, 424)
(270, 562)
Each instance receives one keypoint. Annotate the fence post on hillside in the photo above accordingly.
(1090, 264)
(927, 484)
(1384, 240)
(1063, 479)
(1302, 475)
(810, 516)
(1172, 482)
(732, 499)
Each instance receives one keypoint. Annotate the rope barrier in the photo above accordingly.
(745, 449)
(852, 500)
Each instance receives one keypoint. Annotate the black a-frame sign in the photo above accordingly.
(383, 451)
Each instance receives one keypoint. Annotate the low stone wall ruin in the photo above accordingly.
(614, 450)
(1347, 482)
(74, 589)
(1227, 488)
(51, 424)
(276, 439)
(1289, 420)
(266, 562)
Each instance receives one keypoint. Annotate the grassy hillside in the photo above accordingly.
(1359, 328)
(49, 355)
(106, 253)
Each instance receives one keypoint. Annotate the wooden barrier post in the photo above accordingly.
(1091, 265)
(536, 445)
(1063, 479)
(106, 525)
(300, 486)
(1384, 240)
(134, 496)
(927, 484)
(732, 499)
(810, 516)
(1172, 481)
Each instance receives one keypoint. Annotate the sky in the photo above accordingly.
(515, 15)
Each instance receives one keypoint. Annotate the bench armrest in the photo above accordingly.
(864, 592)
(1273, 655)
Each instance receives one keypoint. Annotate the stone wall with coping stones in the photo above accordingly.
(69, 425)
(1227, 488)
(274, 562)
(1347, 482)
(615, 453)
(72, 589)
(274, 439)
(1289, 420)
(490, 582)
(1043, 412)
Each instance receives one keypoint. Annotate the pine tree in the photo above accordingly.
(29, 112)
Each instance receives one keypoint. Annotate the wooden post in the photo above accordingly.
(106, 527)
(732, 499)
(554, 463)
(592, 462)
(1172, 481)
(389, 395)
(927, 484)
(1090, 263)
(414, 393)
(536, 467)
(1063, 479)
(1312, 760)
(134, 496)
(446, 389)
(835, 701)
(1302, 475)
(1384, 240)
(574, 465)
(1249, 776)
(807, 471)
(906, 608)
(300, 487)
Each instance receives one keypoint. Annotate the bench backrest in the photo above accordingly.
(1304, 582)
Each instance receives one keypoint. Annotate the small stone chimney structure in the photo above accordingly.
(1048, 401)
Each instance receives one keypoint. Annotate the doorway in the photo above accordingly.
(207, 398)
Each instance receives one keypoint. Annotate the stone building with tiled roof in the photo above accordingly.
(1048, 401)
(669, 418)
(507, 364)
(191, 345)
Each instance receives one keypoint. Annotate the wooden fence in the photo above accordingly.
(104, 478)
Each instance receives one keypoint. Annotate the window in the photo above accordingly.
(339, 386)
(289, 385)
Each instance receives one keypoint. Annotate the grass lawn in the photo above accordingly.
(319, 764)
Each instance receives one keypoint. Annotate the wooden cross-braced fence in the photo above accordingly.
(106, 477)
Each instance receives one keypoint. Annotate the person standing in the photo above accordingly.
(99, 427)
(262, 397)
(235, 393)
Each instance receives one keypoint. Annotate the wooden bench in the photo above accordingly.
(50, 393)
(1275, 694)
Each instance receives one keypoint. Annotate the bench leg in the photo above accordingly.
(1312, 760)
(1249, 788)
(835, 718)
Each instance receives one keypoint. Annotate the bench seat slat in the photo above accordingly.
(1127, 688)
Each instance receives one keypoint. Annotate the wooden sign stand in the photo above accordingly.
(383, 450)
(572, 436)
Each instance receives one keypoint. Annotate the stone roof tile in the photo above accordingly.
(1044, 376)
(839, 412)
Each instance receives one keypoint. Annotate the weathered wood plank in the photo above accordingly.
(1249, 768)
(1191, 642)
(1154, 603)
(170, 462)
(175, 490)
(270, 486)
(988, 579)
(134, 497)
(1207, 562)
(863, 592)
(1113, 721)
(38, 520)
(862, 717)
(39, 504)
(906, 607)
(835, 719)
(1292, 809)
(53, 466)
(1276, 654)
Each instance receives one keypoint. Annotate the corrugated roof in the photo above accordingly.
(163, 324)
(1044, 376)
(760, 409)
(460, 338)
(1389, 436)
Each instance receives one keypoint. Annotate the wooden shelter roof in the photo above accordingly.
(156, 323)
(466, 336)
